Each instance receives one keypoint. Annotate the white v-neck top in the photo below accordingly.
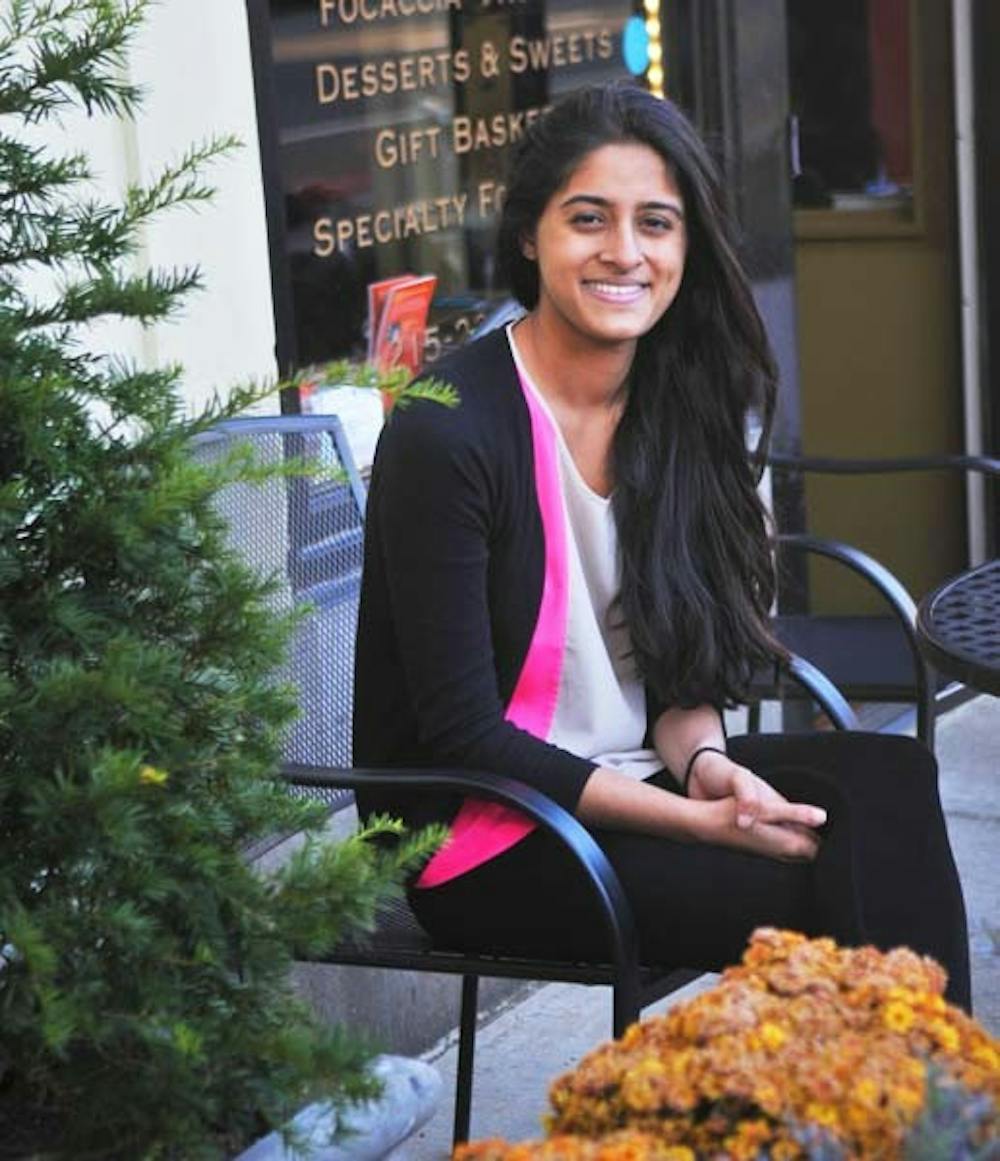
(601, 707)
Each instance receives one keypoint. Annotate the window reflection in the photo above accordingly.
(394, 122)
(851, 103)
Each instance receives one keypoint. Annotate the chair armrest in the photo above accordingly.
(887, 585)
(838, 466)
(822, 689)
(610, 894)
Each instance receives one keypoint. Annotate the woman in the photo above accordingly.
(569, 575)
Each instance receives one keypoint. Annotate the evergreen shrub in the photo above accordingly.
(145, 1008)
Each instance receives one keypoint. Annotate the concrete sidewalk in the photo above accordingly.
(523, 1046)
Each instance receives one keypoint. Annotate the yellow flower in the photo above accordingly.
(767, 1097)
(946, 1036)
(986, 1056)
(866, 1091)
(633, 1036)
(745, 1144)
(906, 1100)
(772, 1035)
(820, 1114)
(898, 1016)
(640, 1087)
(785, 1150)
(151, 776)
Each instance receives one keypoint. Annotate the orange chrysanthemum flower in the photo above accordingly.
(802, 1037)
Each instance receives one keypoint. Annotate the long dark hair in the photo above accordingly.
(697, 566)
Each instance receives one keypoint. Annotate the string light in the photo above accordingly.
(654, 74)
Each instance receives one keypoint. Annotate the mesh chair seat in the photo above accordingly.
(398, 941)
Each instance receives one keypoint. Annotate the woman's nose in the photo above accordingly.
(623, 248)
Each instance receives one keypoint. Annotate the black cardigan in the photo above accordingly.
(453, 574)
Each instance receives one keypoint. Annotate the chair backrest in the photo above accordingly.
(306, 533)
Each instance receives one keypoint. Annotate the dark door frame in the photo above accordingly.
(733, 81)
(265, 101)
(986, 99)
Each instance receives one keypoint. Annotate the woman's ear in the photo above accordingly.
(528, 249)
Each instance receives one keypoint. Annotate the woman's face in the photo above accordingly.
(610, 246)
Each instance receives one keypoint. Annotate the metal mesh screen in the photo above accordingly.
(306, 533)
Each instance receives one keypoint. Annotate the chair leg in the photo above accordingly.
(753, 718)
(927, 719)
(626, 1006)
(466, 1054)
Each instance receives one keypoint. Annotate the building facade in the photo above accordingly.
(376, 134)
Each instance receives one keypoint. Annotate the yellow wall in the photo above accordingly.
(879, 351)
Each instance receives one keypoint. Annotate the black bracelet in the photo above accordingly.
(688, 769)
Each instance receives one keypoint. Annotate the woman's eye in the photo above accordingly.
(658, 225)
(586, 219)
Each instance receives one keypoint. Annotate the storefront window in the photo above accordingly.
(392, 123)
(852, 133)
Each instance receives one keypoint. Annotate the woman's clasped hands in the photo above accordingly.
(742, 810)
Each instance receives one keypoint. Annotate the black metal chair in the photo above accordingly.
(871, 658)
(308, 533)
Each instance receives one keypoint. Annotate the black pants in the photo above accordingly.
(884, 875)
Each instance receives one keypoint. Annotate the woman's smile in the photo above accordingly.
(618, 292)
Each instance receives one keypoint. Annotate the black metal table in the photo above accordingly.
(958, 627)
